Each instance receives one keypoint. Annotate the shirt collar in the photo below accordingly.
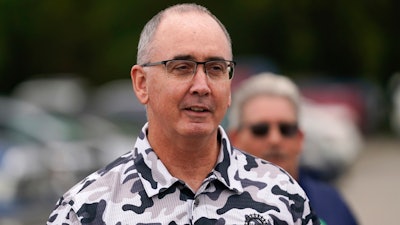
(156, 178)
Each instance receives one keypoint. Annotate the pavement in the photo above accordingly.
(372, 185)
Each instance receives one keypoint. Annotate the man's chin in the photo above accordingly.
(198, 129)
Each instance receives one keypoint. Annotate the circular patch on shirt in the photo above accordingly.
(255, 219)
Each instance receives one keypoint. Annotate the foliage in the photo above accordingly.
(97, 39)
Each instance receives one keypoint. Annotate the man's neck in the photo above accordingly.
(188, 160)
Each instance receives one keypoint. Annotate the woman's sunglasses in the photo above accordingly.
(286, 129)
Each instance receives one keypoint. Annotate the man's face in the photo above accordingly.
(281, 144)
(195, 106)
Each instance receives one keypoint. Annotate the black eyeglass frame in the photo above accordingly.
(230, 63)
(259, 130)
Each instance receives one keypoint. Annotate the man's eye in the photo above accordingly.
(216, 67)
(182, 67)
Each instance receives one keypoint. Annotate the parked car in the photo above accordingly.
(42, 154)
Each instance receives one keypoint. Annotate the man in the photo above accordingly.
(264, 121)
(183, 169)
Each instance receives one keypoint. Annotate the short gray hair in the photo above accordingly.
(149, 30)
(262, 84)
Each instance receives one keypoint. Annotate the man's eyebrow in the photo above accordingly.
(190, 57)
(216, 58)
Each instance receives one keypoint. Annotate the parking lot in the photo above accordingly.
(372, 184)
(43, 153)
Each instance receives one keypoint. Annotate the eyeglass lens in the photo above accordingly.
(262, 129)
(215, 69)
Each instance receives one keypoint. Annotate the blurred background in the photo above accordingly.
(67, 106)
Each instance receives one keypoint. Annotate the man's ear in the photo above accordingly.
(300, 140)
(230, 99)
(139, 83)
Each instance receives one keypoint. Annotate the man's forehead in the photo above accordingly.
(179, 35)
(186, 20)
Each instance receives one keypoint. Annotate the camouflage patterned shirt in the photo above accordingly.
(138, 189)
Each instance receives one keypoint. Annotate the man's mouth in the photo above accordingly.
(198, 109)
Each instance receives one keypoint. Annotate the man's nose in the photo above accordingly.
(274, 135)
(200, 82)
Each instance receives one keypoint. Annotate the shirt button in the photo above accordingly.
(196, 202)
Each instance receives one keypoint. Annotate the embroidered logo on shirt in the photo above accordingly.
(255, 219)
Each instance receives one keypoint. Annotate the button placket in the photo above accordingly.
(196, 201)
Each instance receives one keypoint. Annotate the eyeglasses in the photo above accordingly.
(262, 129)
(215, 69)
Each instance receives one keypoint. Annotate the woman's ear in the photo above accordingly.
(139, 83)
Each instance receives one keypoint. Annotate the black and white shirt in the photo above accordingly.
(138, 189)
